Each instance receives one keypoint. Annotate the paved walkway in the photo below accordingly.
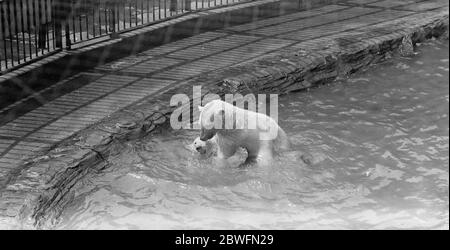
(114, 86)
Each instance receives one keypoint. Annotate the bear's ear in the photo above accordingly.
(200, 108)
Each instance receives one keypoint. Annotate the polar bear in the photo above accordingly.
(234, 128)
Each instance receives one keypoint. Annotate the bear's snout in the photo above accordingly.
(201, 150)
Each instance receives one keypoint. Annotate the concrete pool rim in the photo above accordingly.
(37, 197)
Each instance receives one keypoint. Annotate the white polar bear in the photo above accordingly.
(235, 128)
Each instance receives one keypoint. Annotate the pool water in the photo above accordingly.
(379, 144)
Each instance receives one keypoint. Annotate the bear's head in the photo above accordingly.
(203, 147)
(212, 118)
(200, 145)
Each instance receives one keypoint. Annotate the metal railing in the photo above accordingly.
(31, 29)
(91, 19)
(26, 31)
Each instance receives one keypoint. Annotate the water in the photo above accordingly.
(379, 143)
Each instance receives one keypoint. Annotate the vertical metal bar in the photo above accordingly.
(67, 26)
(86, 14)
(147, 8)
(80, 20)
(124, 15)
(54, 31)
(41, 28)
(5, 49)
(29, 28)
(46, 13)
(142, 12)
(123, 22)
(58, 16)
(159, 9)
(129, 9)
(113, 14)
(153, 10)
(105, 12)
(1, 37)
(80, 26)
(11, 43)
(16, 29)
(93, 18)
(99, 18)
(35, 26)
(165, 8)
(136, 11)
(22, 24)
(148, 11)
(74, 29)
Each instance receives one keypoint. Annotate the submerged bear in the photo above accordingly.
(230, 128)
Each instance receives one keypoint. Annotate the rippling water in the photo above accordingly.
(379, 143)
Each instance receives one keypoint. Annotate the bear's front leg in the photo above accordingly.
(222, 156)
(225, 152)
(261, 155)
(226, 148)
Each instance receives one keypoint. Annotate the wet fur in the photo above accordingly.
(229, 140)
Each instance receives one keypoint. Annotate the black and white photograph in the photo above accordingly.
(244, 117)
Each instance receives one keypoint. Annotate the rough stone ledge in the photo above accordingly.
(38, 195)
